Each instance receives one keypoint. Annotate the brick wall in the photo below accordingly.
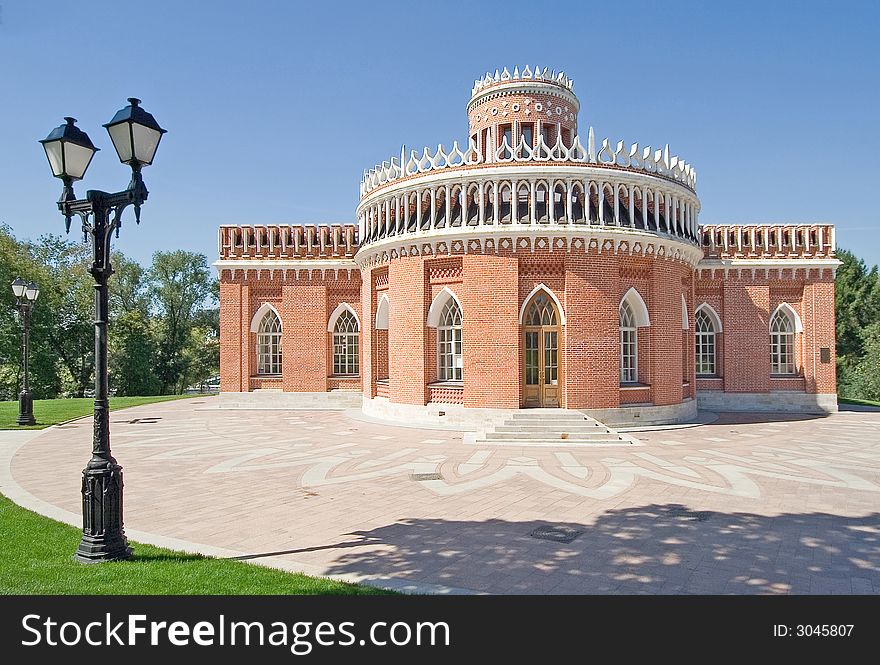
(518, 107)
(592, 330)
(664, 308)
(230, 337)
(490, 331)
(408, 293)
(747, 337)
(492, 288)
(818, 303)
(304, 316)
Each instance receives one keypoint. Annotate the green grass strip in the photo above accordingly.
(38, 559)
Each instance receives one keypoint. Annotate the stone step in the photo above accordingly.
(552, 418)
(555, 422)
(553, 442)
(554, 435)
(560, 427)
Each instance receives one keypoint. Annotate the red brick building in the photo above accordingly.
(530, 268)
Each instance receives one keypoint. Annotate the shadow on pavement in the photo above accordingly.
(650, 549)
(749, 418)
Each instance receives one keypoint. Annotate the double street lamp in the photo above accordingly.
(135, 135)
(26, 294)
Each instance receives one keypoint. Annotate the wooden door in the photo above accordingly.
(540, 349)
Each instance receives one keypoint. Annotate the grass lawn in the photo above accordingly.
(863, 402)
(54, 411)
(38, 559)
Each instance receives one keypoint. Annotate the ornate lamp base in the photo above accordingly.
(103, 534)
(26, 409)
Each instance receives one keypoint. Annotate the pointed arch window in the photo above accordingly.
(346, 335)
(269, 344)
(629, 344)
(542, 312)
(449, 356)
(782, 329)
(704, 341)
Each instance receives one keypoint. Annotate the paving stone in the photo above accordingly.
(785, 507)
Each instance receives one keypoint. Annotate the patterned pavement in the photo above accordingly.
(748, 504)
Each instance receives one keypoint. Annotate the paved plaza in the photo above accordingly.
(746, 504)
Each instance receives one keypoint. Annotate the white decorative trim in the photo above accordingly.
(437, 306)
(546, 289)
(764, 264)
(340, 308)
(623, 156)
(716, 320)
(685, 324)
(604, 173)
(790, 311)
(382, 312)
(260, 313)
(639, 308)
(507, 236)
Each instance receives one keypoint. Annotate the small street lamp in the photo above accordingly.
(26, 294)
(135, 135)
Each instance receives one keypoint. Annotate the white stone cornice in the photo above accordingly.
(770, 263)
(756, 267)
(524, 87)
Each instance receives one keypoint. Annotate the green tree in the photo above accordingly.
(857, 303)
(180, 283)
(59, 351)
(862, 381)
(63, 318)
(133, 355)
(128, 287)
(12, 255)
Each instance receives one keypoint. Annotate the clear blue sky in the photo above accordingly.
(274, 109)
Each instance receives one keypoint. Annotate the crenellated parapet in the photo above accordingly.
(525, 76)
(288, 241)
(768, 251)
(745, 241)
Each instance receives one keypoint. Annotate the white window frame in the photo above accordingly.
(629, 336)
(633, 308)
(702, 338)
(269, 352)
(346, 344)
(450, 364)
(782, 343)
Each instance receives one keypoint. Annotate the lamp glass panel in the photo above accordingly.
(146, 140)
(77, 159)
(121, 138)
(56, 160)
(31, 292)
(18, 287)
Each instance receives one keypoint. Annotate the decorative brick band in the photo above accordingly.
(445, 395)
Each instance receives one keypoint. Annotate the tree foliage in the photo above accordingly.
(857, 309)
(179, 283)
(161, 335)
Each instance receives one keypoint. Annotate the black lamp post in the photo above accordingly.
(135, 135)
(26, 295)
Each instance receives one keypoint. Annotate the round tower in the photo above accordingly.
(523, 106)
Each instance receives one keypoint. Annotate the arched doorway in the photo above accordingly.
(540, 349)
